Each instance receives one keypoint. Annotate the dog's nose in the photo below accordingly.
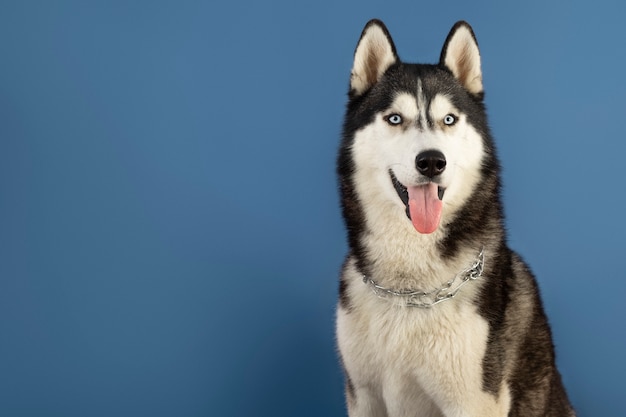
(430, 163)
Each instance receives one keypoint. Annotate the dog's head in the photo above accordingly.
(417, 133)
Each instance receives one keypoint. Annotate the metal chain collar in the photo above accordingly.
(423, 299)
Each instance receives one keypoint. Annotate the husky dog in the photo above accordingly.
(436, 315)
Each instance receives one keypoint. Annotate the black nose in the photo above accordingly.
(430, 163)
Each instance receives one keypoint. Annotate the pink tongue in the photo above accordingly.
(424, 207)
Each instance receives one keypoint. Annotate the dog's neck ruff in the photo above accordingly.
(422, 299)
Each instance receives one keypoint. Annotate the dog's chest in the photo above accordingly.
(412, 337)
(403, 349)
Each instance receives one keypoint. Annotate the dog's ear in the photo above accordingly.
(460, 55)
(374, 54)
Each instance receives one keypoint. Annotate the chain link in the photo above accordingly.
(423, 299)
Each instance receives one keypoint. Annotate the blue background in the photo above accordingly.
(170, 236)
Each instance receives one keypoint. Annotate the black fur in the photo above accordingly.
(519, 344)
(344, 298)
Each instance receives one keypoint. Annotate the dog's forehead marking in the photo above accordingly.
(421, 104)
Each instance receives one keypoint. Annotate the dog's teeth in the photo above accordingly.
(440, 192)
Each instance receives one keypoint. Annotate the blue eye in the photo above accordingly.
(449, 120)
(394, 119)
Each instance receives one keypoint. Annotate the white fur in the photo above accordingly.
(380, 147)
(407, 361)
(416, 362)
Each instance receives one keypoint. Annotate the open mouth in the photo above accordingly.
(423, 203)
(404, 194)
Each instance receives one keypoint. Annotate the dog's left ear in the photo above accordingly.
(460, 55)
(374, 54)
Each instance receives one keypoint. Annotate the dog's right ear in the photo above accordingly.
(461, 56)
(374, 54)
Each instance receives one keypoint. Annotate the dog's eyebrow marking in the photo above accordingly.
(440, 106)
(404, 103)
